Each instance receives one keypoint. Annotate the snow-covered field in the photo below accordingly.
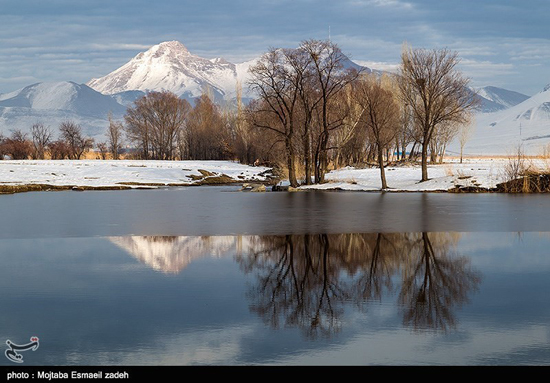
(99, 173)
(473, 172)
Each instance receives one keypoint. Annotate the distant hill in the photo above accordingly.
(494, 99)
(526, 124)
(53, 102)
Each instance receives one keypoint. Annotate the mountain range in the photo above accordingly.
(170, 66)
(524, 126)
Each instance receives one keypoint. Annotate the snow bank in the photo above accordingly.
(109, 173)
(473, 172)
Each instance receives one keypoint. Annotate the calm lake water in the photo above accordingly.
(214, 276)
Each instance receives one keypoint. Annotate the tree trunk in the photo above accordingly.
(307, 155)
(323, 163)
(316, 166)
(442, 154)
(411, 155)
(290, 164)
(381, 163)
(397, 149)
(424, 162)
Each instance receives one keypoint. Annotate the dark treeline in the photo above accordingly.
(314, 111)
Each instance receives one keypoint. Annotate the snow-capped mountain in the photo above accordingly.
(53, 102)
(494, 99)
(526, 124)
(65, 95)
(170, 66)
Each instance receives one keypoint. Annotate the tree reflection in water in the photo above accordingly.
(434, 282)
(306, 280)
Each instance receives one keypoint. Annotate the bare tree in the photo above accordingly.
(77, 143)
(246, 142)
(330, 77)
(17, 145)
(347, 137)
(59, 150)
(102, 148)
(114, 137)
(308, 99)
(298, 91)
(464, 136)
(381, 116)
(41, 138)
(436, 92)
(276, 111)
(154, 124)
(443, 135)
(207, 134)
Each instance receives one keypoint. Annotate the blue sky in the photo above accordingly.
(502, 43)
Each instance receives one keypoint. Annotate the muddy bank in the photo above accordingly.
(12, 189)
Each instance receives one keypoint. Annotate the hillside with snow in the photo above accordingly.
(494, 99)
(54, 102)
(526, 124)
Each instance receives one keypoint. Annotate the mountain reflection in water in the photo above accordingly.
(307, 281)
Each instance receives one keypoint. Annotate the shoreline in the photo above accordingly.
(18, 176)
(474, 175)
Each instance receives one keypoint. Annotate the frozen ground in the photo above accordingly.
(99, 173)
(476, 172)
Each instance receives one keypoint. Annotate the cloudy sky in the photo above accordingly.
(503, 43)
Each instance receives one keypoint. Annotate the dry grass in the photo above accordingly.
(449, 170)
(522, 175)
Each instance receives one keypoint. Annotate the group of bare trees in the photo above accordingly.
(162, 126)
(318, 110)
(39, 144)
(154, 124)
(299, 102)
(438, 97)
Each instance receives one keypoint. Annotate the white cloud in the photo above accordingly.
(383, 66)
(118, 46)
(383, 3)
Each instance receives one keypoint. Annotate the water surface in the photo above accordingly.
(226, 210)
(212, 276)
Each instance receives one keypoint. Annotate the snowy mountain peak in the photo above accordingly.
(546, 88)
(170, 49)
(494, 99)
(170, 66)
(220, 60)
